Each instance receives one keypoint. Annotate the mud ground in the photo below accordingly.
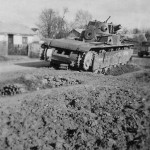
(46, 109)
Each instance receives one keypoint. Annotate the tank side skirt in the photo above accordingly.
(111, 58)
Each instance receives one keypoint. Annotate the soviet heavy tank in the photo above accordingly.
(98, 49)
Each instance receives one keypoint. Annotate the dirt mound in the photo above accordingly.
(122, 70)
(29, 82)
(41, 82)
(91, 118)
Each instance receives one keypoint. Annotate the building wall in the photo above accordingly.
(19, 48)
(18, 39)
(3, 45)
(30, 39)
(3, 37)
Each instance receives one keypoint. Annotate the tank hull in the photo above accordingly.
(90, 56)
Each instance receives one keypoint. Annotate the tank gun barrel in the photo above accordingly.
(107, 19)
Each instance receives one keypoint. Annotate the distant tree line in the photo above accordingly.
(53, 25)
(137, 31)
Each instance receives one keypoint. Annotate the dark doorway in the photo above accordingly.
(10, 43)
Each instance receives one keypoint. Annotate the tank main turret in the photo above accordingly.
(104, 32)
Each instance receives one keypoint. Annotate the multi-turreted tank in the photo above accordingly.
(97, 49)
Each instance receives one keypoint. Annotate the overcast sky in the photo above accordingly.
(129, 13)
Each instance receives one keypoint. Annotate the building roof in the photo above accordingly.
(13, 28)
(78, 30)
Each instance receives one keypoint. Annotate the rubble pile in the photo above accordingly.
(10, 89)
(56, 81)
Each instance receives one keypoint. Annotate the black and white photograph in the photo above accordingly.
(74, 75)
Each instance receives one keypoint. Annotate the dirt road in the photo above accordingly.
(29, 64)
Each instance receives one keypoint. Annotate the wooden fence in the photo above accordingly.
(34, 50)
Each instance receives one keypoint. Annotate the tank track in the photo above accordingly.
(98, 61)
(121, 67)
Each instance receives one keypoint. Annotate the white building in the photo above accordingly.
(14, 39)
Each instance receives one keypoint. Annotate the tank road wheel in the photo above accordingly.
(87, 62)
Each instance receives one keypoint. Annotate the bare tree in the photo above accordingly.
(81, 19)
(124, 31)
(65, 11)
(136, 31)
(47, 22)
(51, 23)
(62, 25)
